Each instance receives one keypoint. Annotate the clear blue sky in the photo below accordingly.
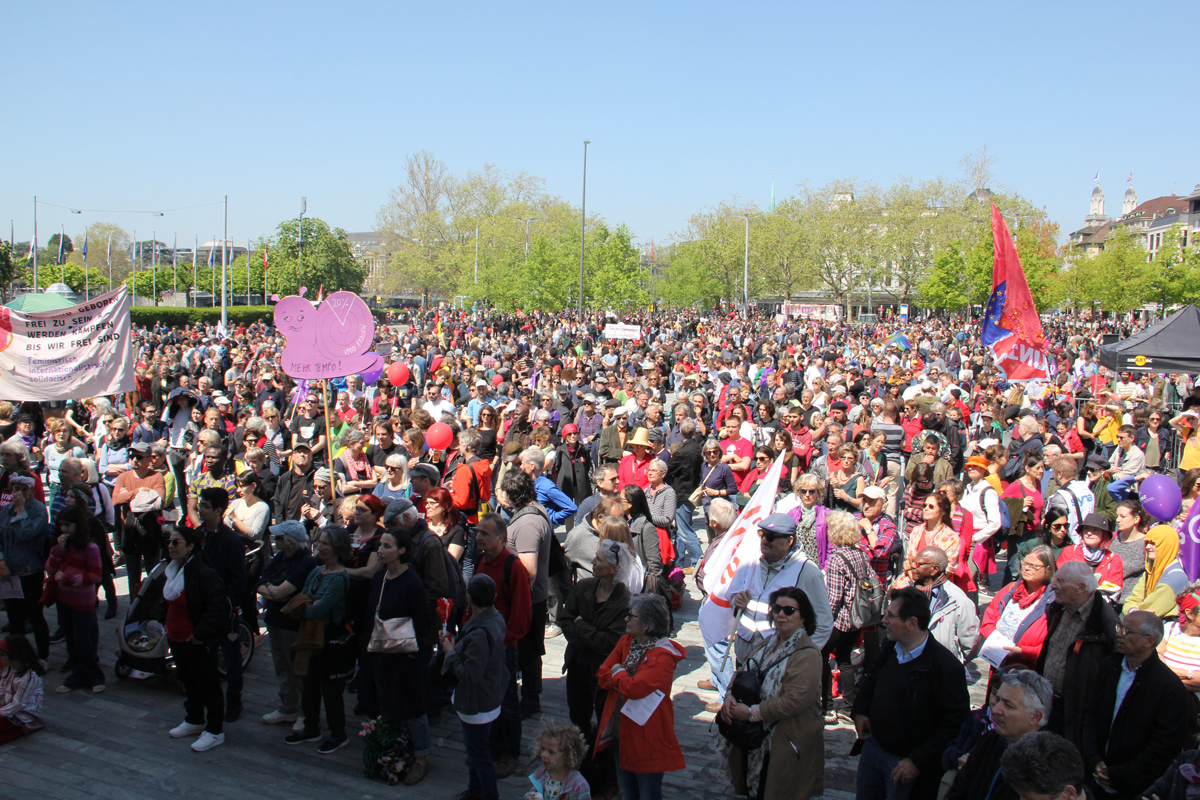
(150, 106)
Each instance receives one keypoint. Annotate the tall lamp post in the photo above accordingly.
(582, 227)
(224, 270)
(300, 234)
(526, 221)
(746, 267)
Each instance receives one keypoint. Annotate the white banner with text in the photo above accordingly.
(74, 352)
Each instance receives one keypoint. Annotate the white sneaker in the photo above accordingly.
(186, 728)
(276, 717)
(208, 741)
(298, 725)
(553, 630)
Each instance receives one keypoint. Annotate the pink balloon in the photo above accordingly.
(439, 436)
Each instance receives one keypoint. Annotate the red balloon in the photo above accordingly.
(397, 374)
(439, 436)
(497, 380)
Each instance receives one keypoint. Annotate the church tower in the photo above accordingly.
(1130, 203)
(1096, 213)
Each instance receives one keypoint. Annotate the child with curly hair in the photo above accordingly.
(562, 749)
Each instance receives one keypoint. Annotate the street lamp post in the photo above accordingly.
(224, 269)
(300, 256)
(582, 227)
(516, 219)
(746, 268)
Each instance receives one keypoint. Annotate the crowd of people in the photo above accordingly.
(409, 545)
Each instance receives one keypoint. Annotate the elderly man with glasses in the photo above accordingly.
(1080, 634)
(1137, 720)
(780, 563)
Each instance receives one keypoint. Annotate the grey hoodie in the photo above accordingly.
(478, 663)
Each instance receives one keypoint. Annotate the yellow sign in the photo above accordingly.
(1139, 360)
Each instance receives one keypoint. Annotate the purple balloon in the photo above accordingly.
(371, 375)
(1161, 497)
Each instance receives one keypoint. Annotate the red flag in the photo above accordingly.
(1011, 326)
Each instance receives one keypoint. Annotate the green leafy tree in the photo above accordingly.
(8, 267)
(72, 274)
(327, 259)
(617, 278)
(777, 249)
(1171, 277)
(707, 264)
(53, 252)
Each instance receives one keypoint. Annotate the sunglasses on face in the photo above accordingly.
(787, 611)
(771, 537)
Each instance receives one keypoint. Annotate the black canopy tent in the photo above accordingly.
(1173, 345)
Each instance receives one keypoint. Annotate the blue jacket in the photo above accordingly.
(560, 507)
(24, 543)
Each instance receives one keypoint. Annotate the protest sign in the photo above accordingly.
(615, 331)
(332, 340)
(84, 350)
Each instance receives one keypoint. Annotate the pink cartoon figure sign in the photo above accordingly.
(332, 340)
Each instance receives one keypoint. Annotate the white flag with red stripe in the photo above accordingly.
(739, 546)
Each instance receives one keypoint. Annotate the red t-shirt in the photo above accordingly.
(743, 449)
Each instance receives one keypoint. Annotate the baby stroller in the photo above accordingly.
(142, 640)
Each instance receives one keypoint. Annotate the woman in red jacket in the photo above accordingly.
(637, 676)
(1019, 610)
(1096, 533)
(75, 567)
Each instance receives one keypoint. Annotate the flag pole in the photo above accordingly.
(35, 253)
(195, 247)
(108, 260)
(154, 266)
(224, 268)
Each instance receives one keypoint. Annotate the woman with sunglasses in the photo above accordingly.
(789, 664)
(278, 438)
(810, 515)
(937, 530)
(716, 478)
(397, 483)
(1055, 534)
(764, 456)
(844, 488)
(196, 618)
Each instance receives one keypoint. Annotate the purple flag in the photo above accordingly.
(1189, 542)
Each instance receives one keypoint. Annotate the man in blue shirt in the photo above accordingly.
(560, 507)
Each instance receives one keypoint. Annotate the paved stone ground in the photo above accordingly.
(115, 745)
